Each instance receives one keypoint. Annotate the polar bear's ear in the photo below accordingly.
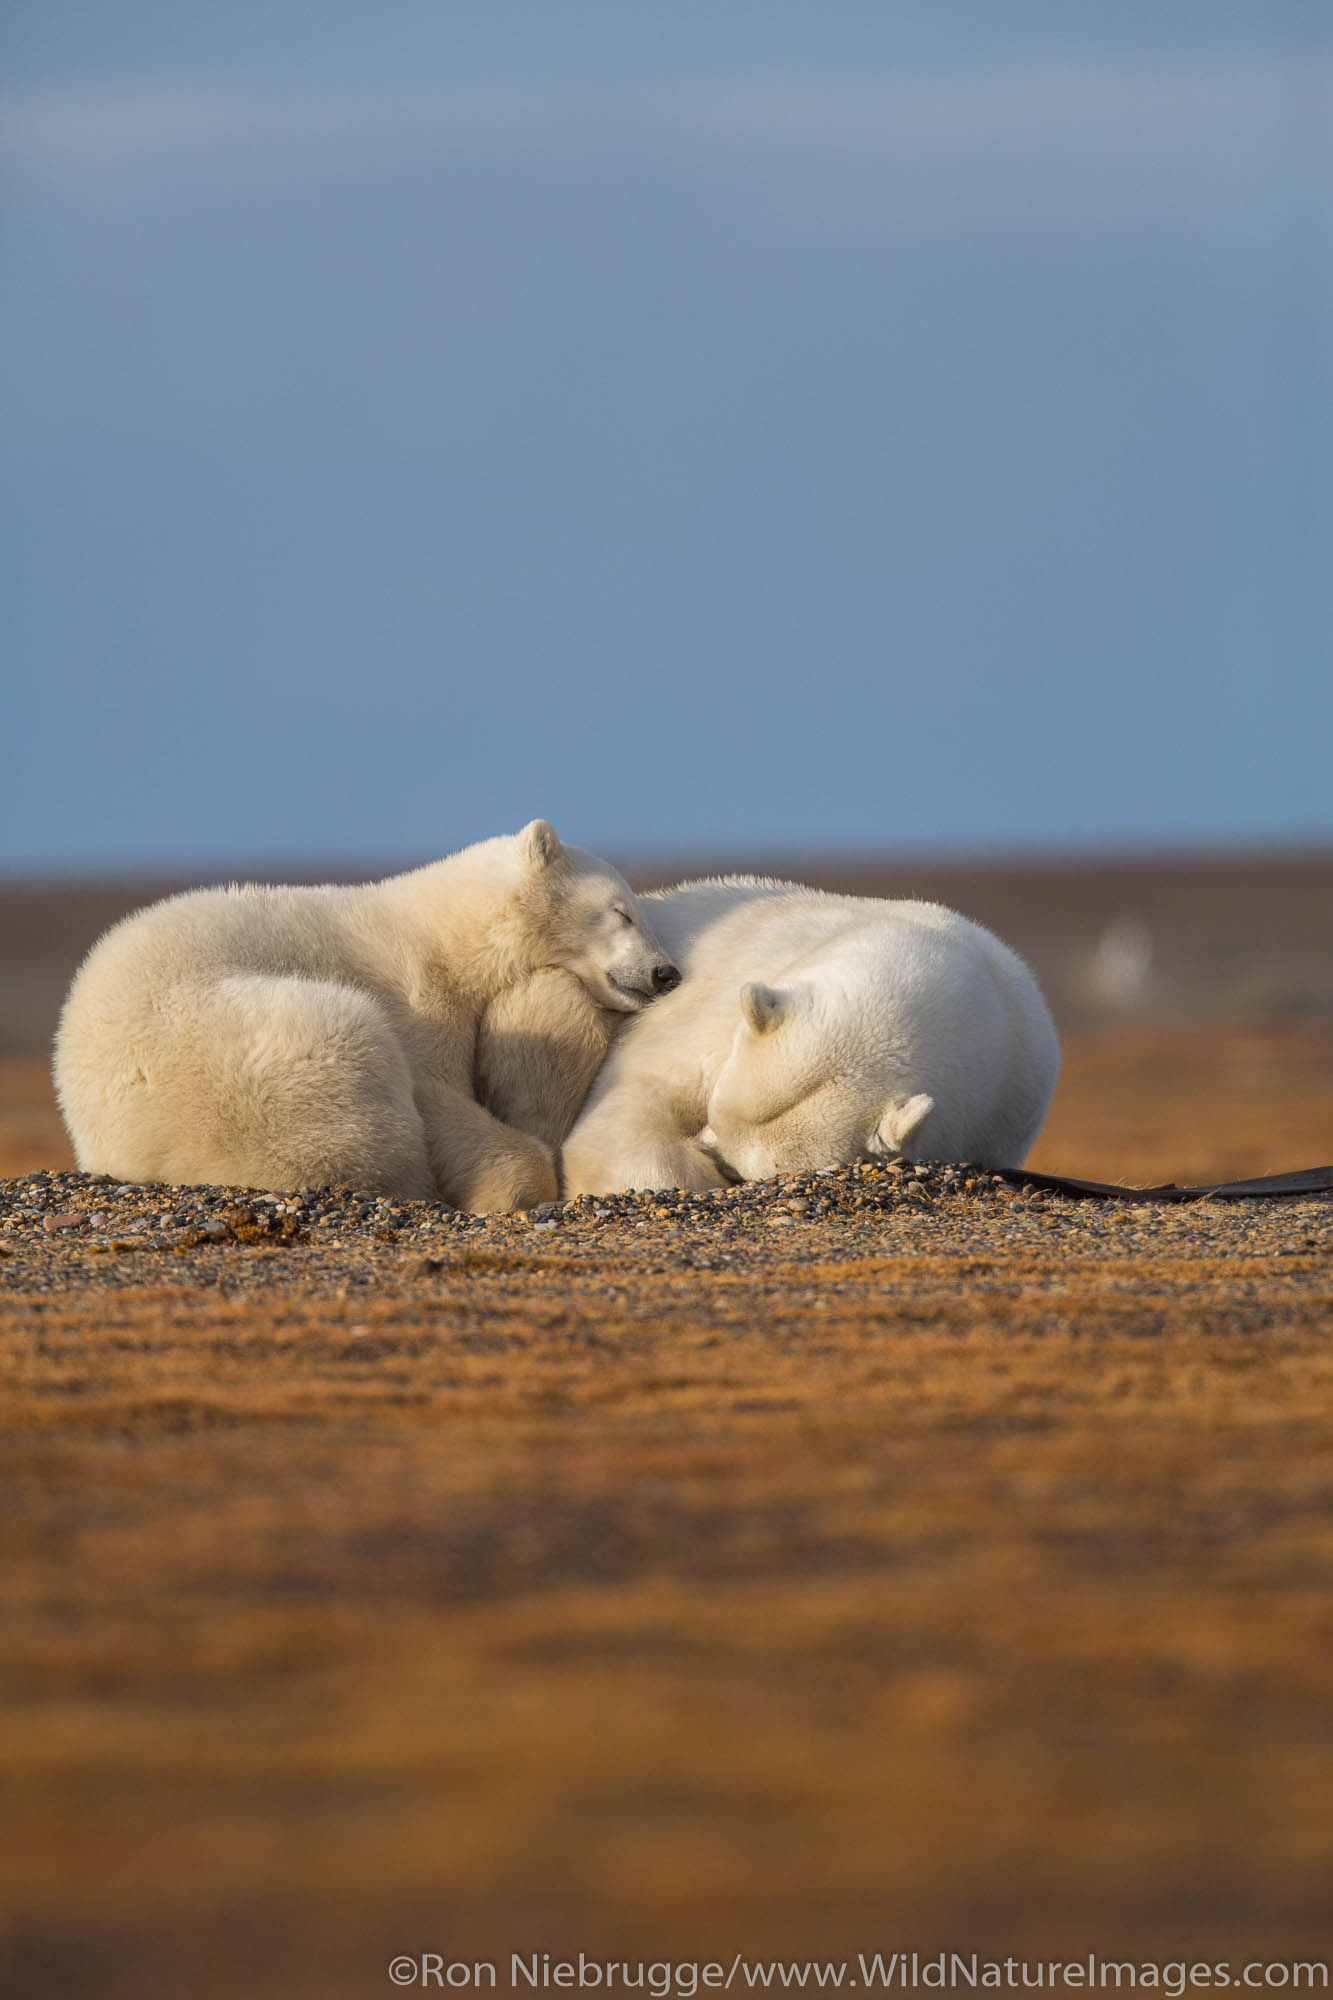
(539, 843)
(900, 1121)
(763, 1006)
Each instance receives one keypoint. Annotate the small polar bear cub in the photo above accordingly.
(292, 1037)
(811, 1031)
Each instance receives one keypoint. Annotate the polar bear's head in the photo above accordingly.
(584, 918)
(807, 1084)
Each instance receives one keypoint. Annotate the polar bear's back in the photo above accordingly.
(189, 1016)
(206, 933)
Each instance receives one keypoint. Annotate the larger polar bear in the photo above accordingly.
(288, 1037)
(812, 1030)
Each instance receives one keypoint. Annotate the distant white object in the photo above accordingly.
(811, 1031)
(1120, 969)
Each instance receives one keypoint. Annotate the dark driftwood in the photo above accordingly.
(1309, 1180)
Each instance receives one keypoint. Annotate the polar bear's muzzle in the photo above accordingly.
(663, 977)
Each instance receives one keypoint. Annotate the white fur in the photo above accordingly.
(813, 1030)
(290, 1037)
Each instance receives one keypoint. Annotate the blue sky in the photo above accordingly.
(761, 428)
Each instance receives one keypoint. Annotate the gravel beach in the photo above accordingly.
(874, 1559)
(70, 1232)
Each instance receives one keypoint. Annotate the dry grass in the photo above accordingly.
(907, 1598)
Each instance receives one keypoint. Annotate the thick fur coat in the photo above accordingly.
(812, 1030)
(292, 1037)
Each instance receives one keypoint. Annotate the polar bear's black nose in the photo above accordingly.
(664, 978)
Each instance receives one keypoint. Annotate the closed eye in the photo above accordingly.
(795, 1103)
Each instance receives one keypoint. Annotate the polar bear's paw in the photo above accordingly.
(654, 1163)
(521, 1177)
(693, 1167)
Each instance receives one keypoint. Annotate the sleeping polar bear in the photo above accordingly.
(290, 1037)
(813, 1030)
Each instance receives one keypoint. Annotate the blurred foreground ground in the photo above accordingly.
(959, 1580)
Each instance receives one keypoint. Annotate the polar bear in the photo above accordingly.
(290, 1037)
(812, 1030)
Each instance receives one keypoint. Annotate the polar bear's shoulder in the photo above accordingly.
(714, 912)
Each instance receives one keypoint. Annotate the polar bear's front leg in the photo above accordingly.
(480, 1164)
(539, 1047)
(634, 1136)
